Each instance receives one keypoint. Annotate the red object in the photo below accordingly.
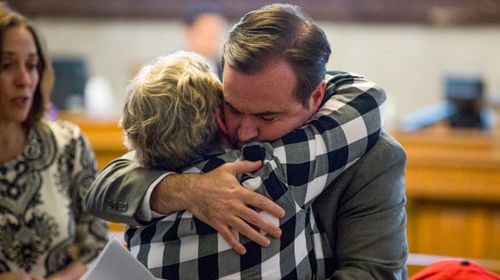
(455, 270)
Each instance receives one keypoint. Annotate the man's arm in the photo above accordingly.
(364, 218)
(119, 190)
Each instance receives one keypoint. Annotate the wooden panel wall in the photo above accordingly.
(415, 11)
(104, 134)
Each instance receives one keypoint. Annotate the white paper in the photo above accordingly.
(116, 262)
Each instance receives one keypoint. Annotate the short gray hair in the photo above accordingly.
(169, 116)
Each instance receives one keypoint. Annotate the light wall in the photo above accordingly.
(409, 61)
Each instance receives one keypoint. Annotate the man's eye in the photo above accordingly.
(232, 110)
(267, 118)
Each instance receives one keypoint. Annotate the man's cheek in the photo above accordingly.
(233, 135)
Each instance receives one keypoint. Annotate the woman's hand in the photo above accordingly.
(18, 275)
(73, 271)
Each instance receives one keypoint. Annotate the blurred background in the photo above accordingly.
(406, 46)
(439, 62)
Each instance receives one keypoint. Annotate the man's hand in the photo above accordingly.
(218, 199)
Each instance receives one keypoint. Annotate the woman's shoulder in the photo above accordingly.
(62, 130)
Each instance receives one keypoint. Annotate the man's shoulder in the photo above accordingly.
(379, 171)
(385, 153)
(388, 146)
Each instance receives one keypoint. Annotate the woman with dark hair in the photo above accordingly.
(45, 168)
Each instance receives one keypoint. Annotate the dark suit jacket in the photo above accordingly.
(362, 212)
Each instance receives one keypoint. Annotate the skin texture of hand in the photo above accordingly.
(218, 199)
(18, 275)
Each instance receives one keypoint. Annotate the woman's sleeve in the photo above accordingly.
(91, 232)
(309, 158)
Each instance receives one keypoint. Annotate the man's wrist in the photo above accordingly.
(171, 194)
(145, 213)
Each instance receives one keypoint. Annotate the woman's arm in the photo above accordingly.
(309, 158)
(91, 234)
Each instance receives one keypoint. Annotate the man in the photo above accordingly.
(204, 33)
(277, 50)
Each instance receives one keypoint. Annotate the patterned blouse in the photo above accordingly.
(42, 224)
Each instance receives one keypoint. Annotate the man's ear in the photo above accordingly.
(221, 121)
(318, 95)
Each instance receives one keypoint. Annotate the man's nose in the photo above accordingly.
(248, 130)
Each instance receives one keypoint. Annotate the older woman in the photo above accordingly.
(45, 168)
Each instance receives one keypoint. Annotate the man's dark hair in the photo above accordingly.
(276, 32)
